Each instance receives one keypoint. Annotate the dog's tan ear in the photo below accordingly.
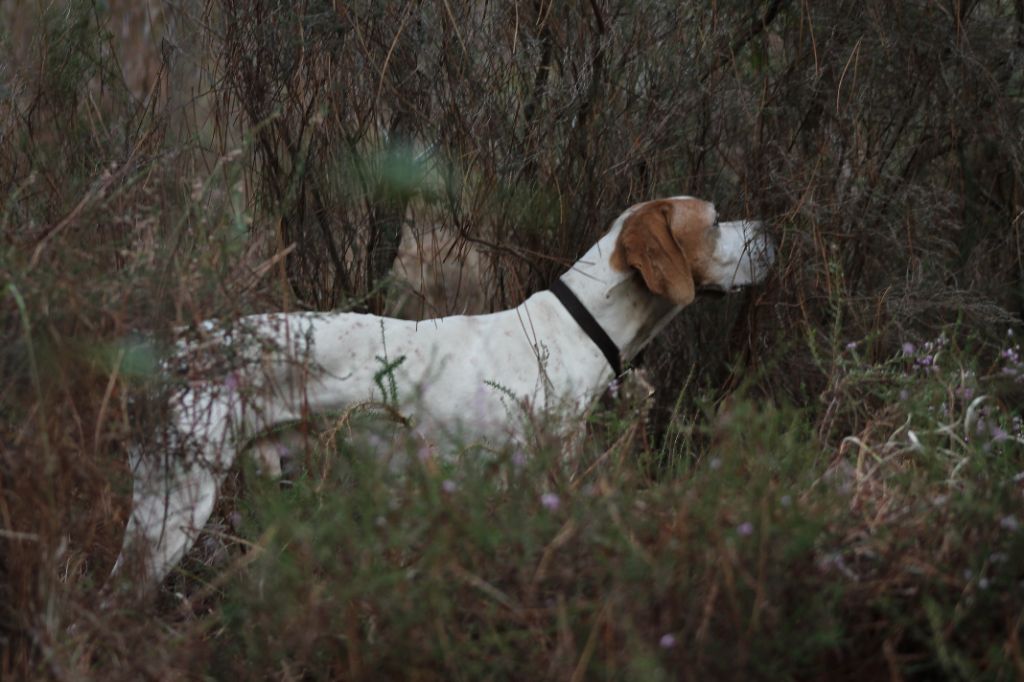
(646, 243)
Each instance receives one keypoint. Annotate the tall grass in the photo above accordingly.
(830, 485)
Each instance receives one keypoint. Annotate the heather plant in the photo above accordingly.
(830, 482)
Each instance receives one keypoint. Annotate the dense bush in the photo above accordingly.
(825, 494)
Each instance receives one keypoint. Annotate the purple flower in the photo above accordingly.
(965, 393)
(614, 386)
(851, 346)
(744, 529)
(449, 486)
(424, 454)
(667, 641)
(908, 348)
(550, 501)
(1009, 522)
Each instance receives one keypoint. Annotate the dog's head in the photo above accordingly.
(679, 248)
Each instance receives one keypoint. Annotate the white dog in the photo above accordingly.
(556, 351)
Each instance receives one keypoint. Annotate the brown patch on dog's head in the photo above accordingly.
(667, 241)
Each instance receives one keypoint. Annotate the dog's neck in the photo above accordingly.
(620, 302)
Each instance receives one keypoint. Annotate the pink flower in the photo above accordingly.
(965, 393)
(550, 501)
(519, 459)
(424, 454)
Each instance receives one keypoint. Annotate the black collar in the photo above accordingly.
(588, 324)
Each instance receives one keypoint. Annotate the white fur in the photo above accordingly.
(447, 373)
